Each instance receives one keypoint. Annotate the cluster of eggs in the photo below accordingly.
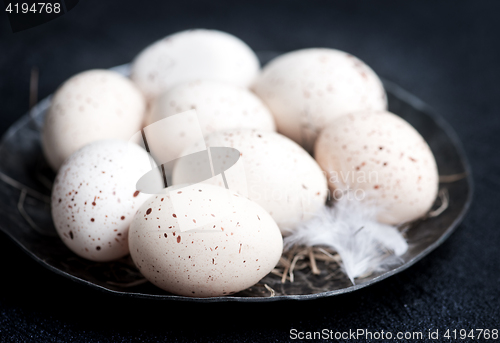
(313, 102)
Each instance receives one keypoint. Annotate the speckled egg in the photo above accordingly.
(94, 198)
(90, 106)
(305, 89)
(273, 171)
(191, 55)
(384, 160)
(230, 244)
(218, 107)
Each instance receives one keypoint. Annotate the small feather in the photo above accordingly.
(350, 227)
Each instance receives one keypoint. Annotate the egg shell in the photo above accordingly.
(90, 106)
(272, 170)
(218, 107)
(385, 159)
(94, 198)
(305, 89)
(230, 254)
(191, 55)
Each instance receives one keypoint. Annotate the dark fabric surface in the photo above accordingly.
(445, 52)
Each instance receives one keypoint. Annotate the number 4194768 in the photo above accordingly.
(41, 7)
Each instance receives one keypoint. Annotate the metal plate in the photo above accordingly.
(21, 159)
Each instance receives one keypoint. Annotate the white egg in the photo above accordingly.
(90, 106)
(384, 160)
(218, 107)
(191, 55)
(273, 171)
(233, 245)
(305, 89)
(94, 198)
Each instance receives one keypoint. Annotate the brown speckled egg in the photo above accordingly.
(192, 55)
(384, 160)
(218, 107)
(305, 89)
(90, 106)
(94, 198)
(233, 244)
(273, 171)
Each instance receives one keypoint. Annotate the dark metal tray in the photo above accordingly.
(22, 164)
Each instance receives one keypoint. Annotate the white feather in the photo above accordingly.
(350, 227)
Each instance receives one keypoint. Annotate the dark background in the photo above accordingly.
(445, 52)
